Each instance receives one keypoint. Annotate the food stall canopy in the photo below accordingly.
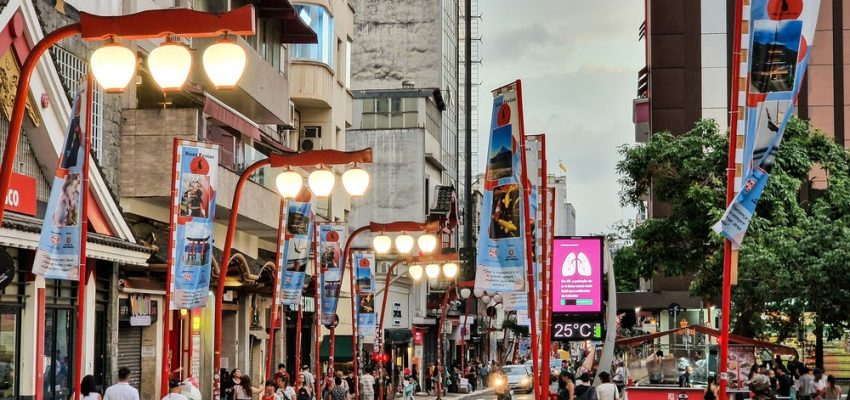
(775, 348)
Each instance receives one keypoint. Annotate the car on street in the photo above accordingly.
(554, 368)
(519, 377)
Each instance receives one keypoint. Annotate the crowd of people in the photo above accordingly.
(793, 378)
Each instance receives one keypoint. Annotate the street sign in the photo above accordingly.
(674, 308)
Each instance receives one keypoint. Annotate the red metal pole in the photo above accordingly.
(281, 228)
(381, 320)
(440, 341)
(21, 96)
(529, 259)
(166, 323)
(317, 326)
(222, 273)
(352, 281)
(298, 328)
(39, 342)
(730, 195)
(81, 283)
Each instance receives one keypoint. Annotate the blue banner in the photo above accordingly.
(501, 245)
(331, 238)
(737, 217)
(295, 251)
(193, 218)
(58, 253)
(366, 320)
(778, 53)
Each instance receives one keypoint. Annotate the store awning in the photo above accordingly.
(342, 348)
(230, 117)
(293, 28)
(733, 339)
(398, 335)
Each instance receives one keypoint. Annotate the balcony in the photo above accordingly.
(313, 84)
(146, 159)
(262, 93)
(640, 117)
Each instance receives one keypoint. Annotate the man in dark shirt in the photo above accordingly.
(685, 378)
(784, 382)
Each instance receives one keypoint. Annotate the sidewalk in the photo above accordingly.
(454, 396)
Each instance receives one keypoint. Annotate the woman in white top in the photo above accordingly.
(88, 389)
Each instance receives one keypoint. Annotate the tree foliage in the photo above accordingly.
(794, 257)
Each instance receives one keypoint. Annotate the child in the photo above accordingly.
(409, 388)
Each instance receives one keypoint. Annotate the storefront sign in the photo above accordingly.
(192, 219)
(418, 337)
(577, 275)
(58, 252)
(139, 308)
(21, 197)
(501, 262)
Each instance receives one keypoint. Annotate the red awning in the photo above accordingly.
(775, 348)
(228, 116)
(293, 29)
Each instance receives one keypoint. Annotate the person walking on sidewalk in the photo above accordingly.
(367, 386)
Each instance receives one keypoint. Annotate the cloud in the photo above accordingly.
(578, 61)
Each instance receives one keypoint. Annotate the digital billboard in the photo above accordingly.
(577, 275)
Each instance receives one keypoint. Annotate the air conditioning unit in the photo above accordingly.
(311, 139)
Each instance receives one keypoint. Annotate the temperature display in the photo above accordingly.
(577, 331)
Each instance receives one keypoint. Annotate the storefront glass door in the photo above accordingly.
(8, 353)
(58, 361)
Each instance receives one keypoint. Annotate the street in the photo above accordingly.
(491, 396)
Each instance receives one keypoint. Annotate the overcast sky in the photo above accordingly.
(578, 62)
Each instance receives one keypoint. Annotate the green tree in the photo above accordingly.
(793, 258)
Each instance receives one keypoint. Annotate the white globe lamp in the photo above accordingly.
(224, 62)
(113, 65)
(169, 65)
(355, 181)
(382, 244)
(289, 184)
(322, 182)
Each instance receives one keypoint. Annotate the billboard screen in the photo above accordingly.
(577, 275)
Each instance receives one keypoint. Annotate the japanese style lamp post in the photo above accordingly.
(449, 269)
(113, 67)
(289, 183)
(381, 244)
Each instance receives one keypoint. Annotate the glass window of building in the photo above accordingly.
(390, 113)
(320, 20)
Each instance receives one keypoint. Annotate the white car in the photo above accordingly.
(519, 378)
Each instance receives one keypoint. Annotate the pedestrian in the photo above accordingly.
(806, 385)
(784, 382)
(820, 382)
(305, 391)
(88, 389)
(429, 375)
(711, 389)
(582, 384)
(244, 390)
(349, 381)
(308, 376)
(794, 366)
(483, 373)
(235, 380)
(121, 390)
(766, 359)
(777, 362)
(226, 383)
(175, 387)
(367, 386)
(281, 372)
(409, 388)
(620, 375)
(339, 391)
(284, 389)
(607, 390)
(760, 386)
(566, 387)
(338, 374)
(685, 378)
(269, 391)
(833, 391)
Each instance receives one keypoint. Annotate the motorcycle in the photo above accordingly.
(500, 387)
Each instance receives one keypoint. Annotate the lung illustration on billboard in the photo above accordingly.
(577, 264)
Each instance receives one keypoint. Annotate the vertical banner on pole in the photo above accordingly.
(501, 245)
(196, 169)
(58, 252)
(331, 238)
(295, 249)
(365, 263)
(778, 53)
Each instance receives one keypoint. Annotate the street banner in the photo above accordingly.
(778, 53)
(366, 321)
(295, 250)
(331, 238)
(192, 219)
(501, 260)
(58, 252)
(737, 217)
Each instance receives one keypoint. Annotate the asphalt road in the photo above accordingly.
(491, 396)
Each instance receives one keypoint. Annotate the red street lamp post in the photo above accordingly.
(275, 160)
(416, 273)
(113, 66)
(381, 247)
(443, 310)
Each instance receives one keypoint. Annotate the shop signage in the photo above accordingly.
(138, 310)
(418, 337)
(577, 275)
(397, 314)
(21, 197)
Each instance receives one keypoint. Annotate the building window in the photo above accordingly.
(348, 64)
(320, 20)
(390, 113)
(72, 72)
